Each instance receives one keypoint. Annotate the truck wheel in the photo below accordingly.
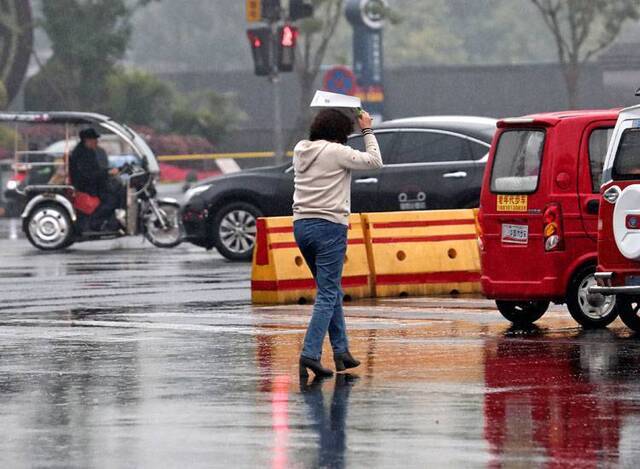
(48, 227)
(590, 311)
(629, 310)
(522, 312)
(235, 230)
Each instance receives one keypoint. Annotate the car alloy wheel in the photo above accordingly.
(589, 310)
(237, 231)
(594, 306)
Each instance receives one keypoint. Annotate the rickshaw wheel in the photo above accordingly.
(522, 312)
(165, 238)
(48, 227)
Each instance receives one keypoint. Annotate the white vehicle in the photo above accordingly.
(619, 219)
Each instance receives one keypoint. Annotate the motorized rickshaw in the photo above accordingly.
(53, 218)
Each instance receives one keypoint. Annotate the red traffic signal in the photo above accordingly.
(288, 36)
(260, 41)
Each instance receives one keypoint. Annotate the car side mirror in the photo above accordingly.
(593, 206)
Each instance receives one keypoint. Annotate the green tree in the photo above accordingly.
(316, 33)
(207, 114)
(195, 35)
(497, 31)
(139, 98)
(581, 29)
(88, 37)
(421, 35)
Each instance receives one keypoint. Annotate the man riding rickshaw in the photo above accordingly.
(90, 174)
(87, 198)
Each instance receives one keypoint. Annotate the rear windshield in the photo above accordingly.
(627, 165)
(516, 166)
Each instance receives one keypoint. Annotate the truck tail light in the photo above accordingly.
(552, 229)
(632, 222)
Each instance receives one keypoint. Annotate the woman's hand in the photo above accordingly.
(364, 120)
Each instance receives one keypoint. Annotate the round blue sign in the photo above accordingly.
(339, 80)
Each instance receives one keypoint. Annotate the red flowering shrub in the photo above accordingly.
(174, 144)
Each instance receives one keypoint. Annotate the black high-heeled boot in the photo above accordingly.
(345, 360)
(315, 366)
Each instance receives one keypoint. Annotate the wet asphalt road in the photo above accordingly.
(118, 354)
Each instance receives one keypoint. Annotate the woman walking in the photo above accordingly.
(321, 209)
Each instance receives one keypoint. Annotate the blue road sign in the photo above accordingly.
(340, 79)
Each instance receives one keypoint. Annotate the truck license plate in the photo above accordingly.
(515, 234)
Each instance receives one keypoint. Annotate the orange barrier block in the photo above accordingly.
(281, 276)
(423, 253)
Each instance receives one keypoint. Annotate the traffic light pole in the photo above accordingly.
(278, 134)
(276, 84)
(273, 47)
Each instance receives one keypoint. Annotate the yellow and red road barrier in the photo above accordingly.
(280, 274)
(388, 254)
(423, 253)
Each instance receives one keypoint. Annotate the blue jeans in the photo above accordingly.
(323, 245)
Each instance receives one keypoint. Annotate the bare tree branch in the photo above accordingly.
(315, 42)
(583, 28)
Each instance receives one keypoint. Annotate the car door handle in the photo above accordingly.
(367, 181)
(456, 175)
(593, 206)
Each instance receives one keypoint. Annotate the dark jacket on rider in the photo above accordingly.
(87, 174)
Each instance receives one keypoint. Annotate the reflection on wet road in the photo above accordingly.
(123, 355)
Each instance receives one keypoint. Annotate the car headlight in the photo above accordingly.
(12, 185)
(195, 191)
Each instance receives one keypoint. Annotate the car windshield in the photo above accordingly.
(627, 162)
(516, 167)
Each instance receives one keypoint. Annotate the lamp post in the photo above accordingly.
(367, 19)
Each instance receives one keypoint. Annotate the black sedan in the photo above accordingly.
(429, 163)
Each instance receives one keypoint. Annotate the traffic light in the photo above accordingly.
(288, 36)
(299, 9)
(260, 41)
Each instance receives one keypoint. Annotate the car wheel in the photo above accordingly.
(522, 312)
(48, 227)
(629, 310)
(590, 311)
(235, 230)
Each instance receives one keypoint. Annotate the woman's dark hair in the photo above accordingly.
(331, 125)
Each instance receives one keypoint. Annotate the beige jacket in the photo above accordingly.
(323, 177)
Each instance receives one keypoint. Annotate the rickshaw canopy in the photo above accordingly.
(88, 118)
